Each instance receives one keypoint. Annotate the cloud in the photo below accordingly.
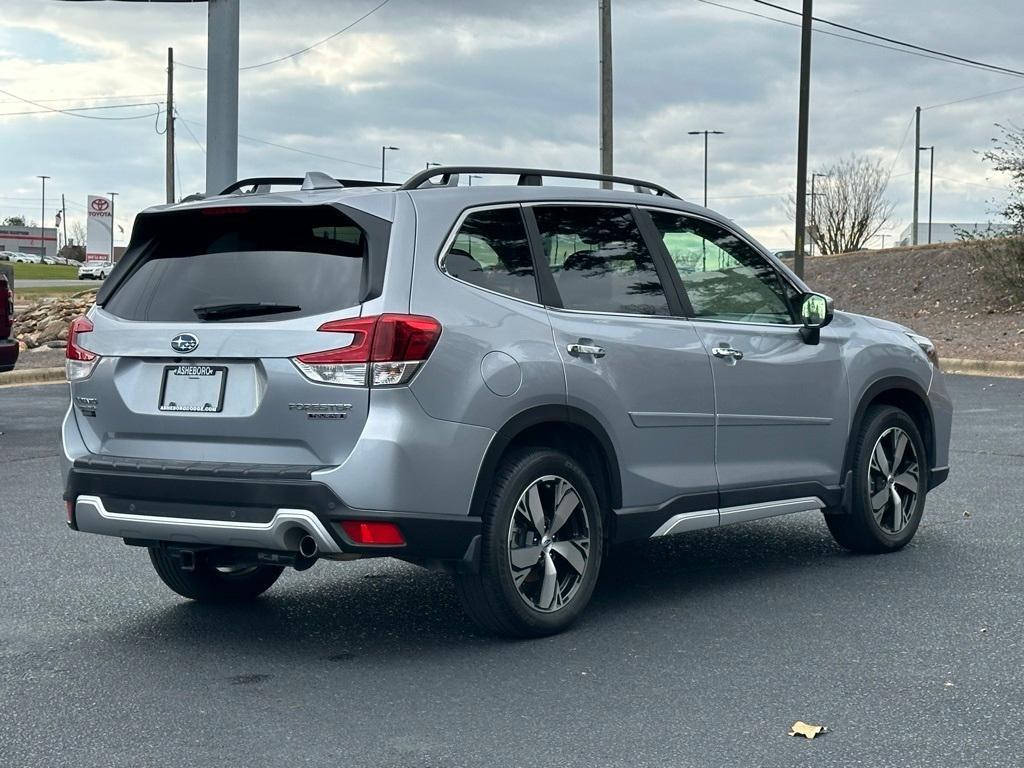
(514, 83)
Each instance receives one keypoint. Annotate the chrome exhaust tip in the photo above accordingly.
(308, 547)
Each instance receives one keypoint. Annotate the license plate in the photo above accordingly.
(193, 388)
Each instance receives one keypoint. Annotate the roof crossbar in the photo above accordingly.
(529, 177)
(261, 184)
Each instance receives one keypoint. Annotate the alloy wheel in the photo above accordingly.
(894, 480)
(548, 543)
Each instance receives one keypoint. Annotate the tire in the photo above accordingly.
(543, 595)
(872, 525)
(208, 584)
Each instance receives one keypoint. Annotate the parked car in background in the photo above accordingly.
(95, 270)
(6, 255)
(25, 258)
(498, 381)
(8, 346)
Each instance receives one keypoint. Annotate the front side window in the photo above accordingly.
(724, 277)
(491, 251)
(599, 260)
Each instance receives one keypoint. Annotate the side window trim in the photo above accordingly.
(663, 249)
(453, 234)
(678, 299)
(549, 294)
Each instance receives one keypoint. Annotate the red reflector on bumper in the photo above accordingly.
(371, 533)
(70, 510)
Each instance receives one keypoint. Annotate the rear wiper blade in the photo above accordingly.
(245, 309)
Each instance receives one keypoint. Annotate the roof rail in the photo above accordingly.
(315, 180)
(528, 177)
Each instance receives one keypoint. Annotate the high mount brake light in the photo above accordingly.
(79, 362)
(385, 350)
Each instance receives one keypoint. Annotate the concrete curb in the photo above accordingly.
(32, 376)
(1006, 368)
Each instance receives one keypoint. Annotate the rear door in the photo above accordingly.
(782, 404)
(631, 360)
(199, 326)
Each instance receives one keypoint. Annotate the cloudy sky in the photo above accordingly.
(501, 82)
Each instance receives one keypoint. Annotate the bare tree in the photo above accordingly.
(849, 204)
(76, 231)
(1001, 244)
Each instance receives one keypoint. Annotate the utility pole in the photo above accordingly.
(383, 161)
(705, 133)
(605, 30)
(112, 221)
(64, 218)
(883, 240)
(802, 131)
(169, 130)
(814, 206)
(931, 185)
(221, 95)
(42, 223)
(917, 171)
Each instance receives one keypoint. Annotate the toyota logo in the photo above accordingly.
(185, 343)
(100, 204)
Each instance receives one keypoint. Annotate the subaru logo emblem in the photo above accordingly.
(185, 343)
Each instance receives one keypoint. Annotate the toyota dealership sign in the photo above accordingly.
(100, 230)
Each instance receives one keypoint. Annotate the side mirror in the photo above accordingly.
(816, 311)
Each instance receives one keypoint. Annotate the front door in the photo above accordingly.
(782, 404)
(631, 359)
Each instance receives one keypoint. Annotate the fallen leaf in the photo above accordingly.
(800, 728)
(984, 630)
(967, 513)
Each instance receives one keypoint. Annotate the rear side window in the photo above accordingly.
(294, 261)
(491, 251)
(599, 260)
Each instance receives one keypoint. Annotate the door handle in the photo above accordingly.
(577, 350)
(735, 354)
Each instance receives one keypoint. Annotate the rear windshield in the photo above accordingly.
(273, 263)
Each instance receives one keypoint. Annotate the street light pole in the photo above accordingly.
(383, 161)
(917, 171)
(931, 184)
(221, 95)
(706, 134)
(42, 224)
(112, 220)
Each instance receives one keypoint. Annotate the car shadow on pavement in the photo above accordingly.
(338, 611)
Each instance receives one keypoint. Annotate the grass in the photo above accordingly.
(41, 291)
(43, 272)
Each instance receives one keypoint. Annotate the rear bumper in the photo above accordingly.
(8, 354)
(257, 507)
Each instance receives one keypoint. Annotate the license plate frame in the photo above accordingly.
(181, 376)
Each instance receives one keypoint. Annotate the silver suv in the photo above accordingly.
(500, 381)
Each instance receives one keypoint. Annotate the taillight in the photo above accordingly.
(373, 533)
(80, 361)
(385, 349)
(8, 294)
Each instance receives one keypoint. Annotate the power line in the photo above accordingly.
(89, 98)
(972, 98)
(843, 37)
(189, 131)
(308, 48)
(953, 57)
(74, 113)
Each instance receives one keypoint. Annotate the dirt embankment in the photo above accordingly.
(941, 291)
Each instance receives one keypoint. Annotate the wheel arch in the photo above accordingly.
(903, 393)
(558, 426)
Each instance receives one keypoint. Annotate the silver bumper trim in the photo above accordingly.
(282, 533)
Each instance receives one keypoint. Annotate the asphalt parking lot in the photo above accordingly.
(696, 651)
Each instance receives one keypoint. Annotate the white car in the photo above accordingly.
(26, 258)
(96, 270)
